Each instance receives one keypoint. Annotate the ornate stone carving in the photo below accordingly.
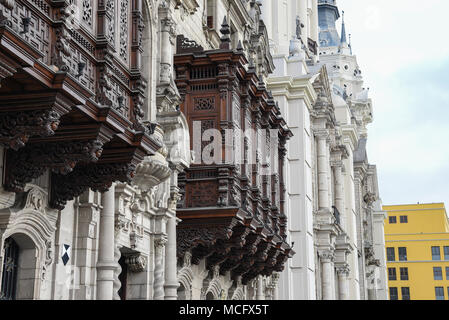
(327, 256)
(343, 270)
(136, 263)
(87, 12)
(9, 4)
(151, 172)
(36, 200)
(158, 269)
(117, 284)
(49, 256)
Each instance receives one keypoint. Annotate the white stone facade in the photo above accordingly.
(331, 189)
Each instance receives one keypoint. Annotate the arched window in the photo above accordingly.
(10, 266)
(20, 271)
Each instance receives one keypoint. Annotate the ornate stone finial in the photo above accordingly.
(225, 31)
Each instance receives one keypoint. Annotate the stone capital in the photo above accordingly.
(327, 256)
(337, 164)
(343, 270)
(321, 134)
(160, 242)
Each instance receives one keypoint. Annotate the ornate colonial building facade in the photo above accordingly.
(333, 204)
(101, 196)
(184, 149)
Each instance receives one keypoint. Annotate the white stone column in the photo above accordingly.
(313, 32)
(327, 261)
(339, 193)
(159, 269)
(167, 41)
(323, 187)
(106, 264)
(171, 279)
(259, 293)
(343, 285)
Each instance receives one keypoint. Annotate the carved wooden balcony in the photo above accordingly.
(72, 94)
(231, 214)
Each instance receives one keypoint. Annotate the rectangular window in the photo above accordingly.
(402, 254)
(447, 273)
(439, 293)
(393, 293)
(390, 254)
(446, 253)
(437, 273)
(404, 273)
(405, 293)
(392, 219)
(404, 219)
(436, 254)
(392, 274)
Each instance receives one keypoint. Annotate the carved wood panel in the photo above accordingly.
(38, 29)
(201, 194)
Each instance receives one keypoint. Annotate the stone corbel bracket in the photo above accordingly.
(136, 263)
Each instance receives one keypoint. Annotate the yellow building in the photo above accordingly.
(417, 245)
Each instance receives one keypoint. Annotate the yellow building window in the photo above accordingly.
(394, 293)
(392, 274)
(446, 253)
(405, 293)
(404, 274)
(437, 273)
(439, 293)
(436, 255)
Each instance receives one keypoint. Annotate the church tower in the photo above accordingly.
(328, 14)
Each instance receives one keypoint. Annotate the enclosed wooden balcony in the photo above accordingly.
(232, 213)
(72, 94)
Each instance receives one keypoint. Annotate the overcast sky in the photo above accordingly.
(402, 48)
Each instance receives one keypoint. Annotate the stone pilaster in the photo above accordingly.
(106, 264)
(159, 269)
(260, 292)
(322, 163)
(327, 262)
(171, 280)
(343, 285)
(337, 167)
